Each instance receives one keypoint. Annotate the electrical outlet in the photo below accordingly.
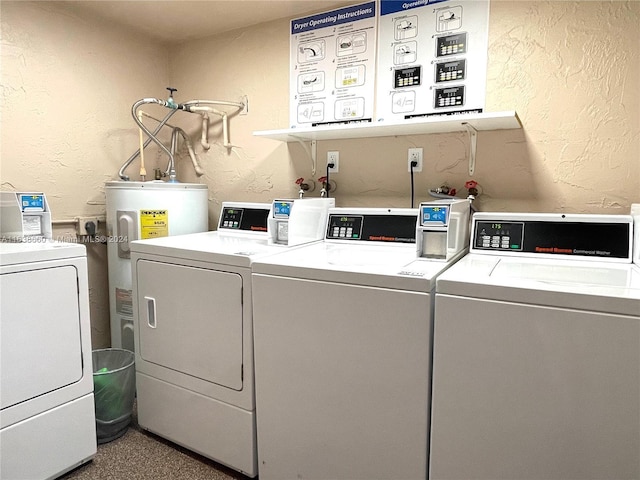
(333, 157)
(414, 155)
(87, 225)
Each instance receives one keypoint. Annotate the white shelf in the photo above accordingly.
(417, 126)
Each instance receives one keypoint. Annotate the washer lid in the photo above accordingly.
(583, 285)
(357, 264)
(40, 250)
(211, 247)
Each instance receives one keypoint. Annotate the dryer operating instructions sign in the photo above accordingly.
(332, 72)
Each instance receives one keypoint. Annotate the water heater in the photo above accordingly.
(137, 211)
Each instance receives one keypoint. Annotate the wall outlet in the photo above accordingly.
(86, 225)
(414, 155)
(333, 157)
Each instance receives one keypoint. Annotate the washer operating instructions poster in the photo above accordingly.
(432, 58)
(333, 67)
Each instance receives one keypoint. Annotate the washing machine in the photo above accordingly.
(47, 422)
(536, 368)
(193, 325)
(342, 341)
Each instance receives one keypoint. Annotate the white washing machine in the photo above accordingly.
(194, 331)
(537, 352)
(46, 380)
(342, 340)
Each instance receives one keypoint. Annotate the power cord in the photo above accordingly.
(413, 164)
(329, 167)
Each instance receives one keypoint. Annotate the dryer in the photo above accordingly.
(193, 325)
(537, 352)
(342, 339)
(47, 421)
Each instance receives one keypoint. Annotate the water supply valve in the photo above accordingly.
(305, 186)
(472, 187)
(170, 101)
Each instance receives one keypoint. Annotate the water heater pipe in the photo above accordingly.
(204, 141)
(143, 171)
(126, 164)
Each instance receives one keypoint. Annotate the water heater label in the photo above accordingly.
(154, 223)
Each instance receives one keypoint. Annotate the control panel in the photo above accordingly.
(578, 235)
(373, 227)
(345, 227)
(499, 235)
(248, 219)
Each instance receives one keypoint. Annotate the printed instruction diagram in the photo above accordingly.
(332, 66)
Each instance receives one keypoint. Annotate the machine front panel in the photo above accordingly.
(511, 379)
(40, 339)
(348, 382)
(190, 321)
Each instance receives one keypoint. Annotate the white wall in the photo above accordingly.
(570, 70)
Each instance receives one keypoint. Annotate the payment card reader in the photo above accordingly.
(443, 228)
(299, 221)
(24, 216)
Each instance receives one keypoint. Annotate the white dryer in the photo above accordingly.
(46, 379)
(193, 326)
(537, 352)
(342, 339)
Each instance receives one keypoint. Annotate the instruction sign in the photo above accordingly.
(432, 58)
(154, 223)
(332, 77)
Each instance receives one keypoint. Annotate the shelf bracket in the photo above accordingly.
(312, 153)
(473, 140)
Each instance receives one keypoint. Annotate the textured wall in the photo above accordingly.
(570, 70)
(67, 86)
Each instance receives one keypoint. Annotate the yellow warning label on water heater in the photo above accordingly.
(154, 223)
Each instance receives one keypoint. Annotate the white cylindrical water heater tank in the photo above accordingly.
(141, 210)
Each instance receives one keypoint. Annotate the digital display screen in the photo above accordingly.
(32, 203)
(248, 219)
(430, 215)
(282, 209)
(373, 228)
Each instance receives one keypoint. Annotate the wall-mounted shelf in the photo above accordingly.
(418, 126)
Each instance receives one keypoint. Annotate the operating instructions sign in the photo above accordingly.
(432, 58)
(333, 67)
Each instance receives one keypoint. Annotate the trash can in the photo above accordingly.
(114, 386)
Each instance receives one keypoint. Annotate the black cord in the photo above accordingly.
(329, 166)
(413, 164)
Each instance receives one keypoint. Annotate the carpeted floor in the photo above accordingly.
(140, 455)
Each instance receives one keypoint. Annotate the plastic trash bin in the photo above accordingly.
(114, 386)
